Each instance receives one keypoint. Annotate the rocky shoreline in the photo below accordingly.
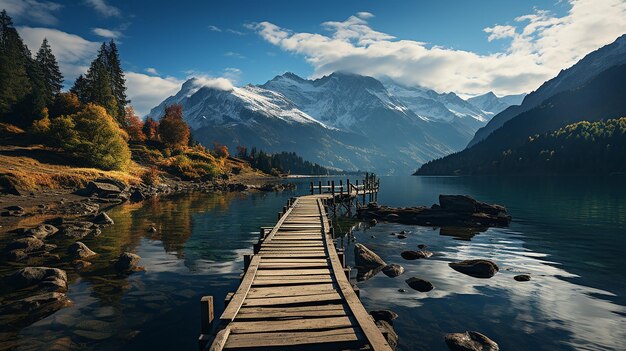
(43, 226)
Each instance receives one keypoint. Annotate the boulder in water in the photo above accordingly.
(522, 277)
(419, 284)
(127, 262)
(102, 218)
(476, 268)
(384, 315)
(393, 270)
(366, 258)
(80, 250)
(470, 341)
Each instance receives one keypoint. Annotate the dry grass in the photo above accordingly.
(36, 172)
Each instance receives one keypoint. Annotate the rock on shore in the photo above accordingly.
(452, 210)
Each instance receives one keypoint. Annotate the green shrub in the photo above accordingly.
(92, 136)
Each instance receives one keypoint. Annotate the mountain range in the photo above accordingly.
(343, 121)
(591, 90)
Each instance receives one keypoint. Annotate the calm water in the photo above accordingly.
(568, 233)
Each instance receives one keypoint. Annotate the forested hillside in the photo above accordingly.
(579, 148)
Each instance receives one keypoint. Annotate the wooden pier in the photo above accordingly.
(295, 293)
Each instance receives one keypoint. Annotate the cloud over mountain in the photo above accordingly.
(540, 45)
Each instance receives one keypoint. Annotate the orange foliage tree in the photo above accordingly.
(174, 132)
(220, 150)
(133, 125)
(65, 104)
(151, 129)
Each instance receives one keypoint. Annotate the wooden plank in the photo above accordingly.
(235, 303)
(291, 271)
(268, 313)
(288, 325)
(277, 282)
(293, 260)
(293, 265)
(327, 297)
(347, 336)
(371, 331)
(220, 340)
(288, 291)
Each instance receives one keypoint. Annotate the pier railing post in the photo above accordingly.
(319, 186)
(206, 314)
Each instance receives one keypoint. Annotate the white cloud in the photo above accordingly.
(220, 83)
(33, 10)
(146, 91)
(73, 53)
(364, 15)
(107, 33)
(232, 74)
(152, 71)
(500, 32)
(234, 54)
(541, 44)
(104, 9)
(214, 29)
(236, 32)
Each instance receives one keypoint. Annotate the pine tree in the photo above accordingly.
(80, 89)
(52, 77)
(15, 84)
(96, 86)
(118, 82)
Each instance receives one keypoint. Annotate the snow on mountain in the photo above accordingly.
(341, 120)
(340, 100)
(204, 105)
(431, 105)
(492, 105)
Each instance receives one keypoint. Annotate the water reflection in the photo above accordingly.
(568, 234)
(197, 249)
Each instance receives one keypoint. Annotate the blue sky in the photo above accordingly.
(445, 45)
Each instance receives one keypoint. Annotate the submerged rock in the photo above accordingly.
(127, 262)
(522, 277)
(470, 341)
(476, 268)
(384, 315)
(393, 270)
(414, 255)
(366, 258)
(80, 250)
(419, 284)
(388, 332)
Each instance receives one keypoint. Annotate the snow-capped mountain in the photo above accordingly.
(206, 105)
(343, 120)
(491, 104)
(341, 100)
(431, 105)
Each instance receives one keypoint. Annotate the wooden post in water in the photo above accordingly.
(311, 188)
(319, 185)
(206, 314)
(247, 258)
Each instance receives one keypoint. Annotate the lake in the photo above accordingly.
(569, 234)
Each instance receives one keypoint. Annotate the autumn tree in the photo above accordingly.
(133, 125)
(151, 129)
(92, 136)
(220, 150)
(173, 130)
(65, 104)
